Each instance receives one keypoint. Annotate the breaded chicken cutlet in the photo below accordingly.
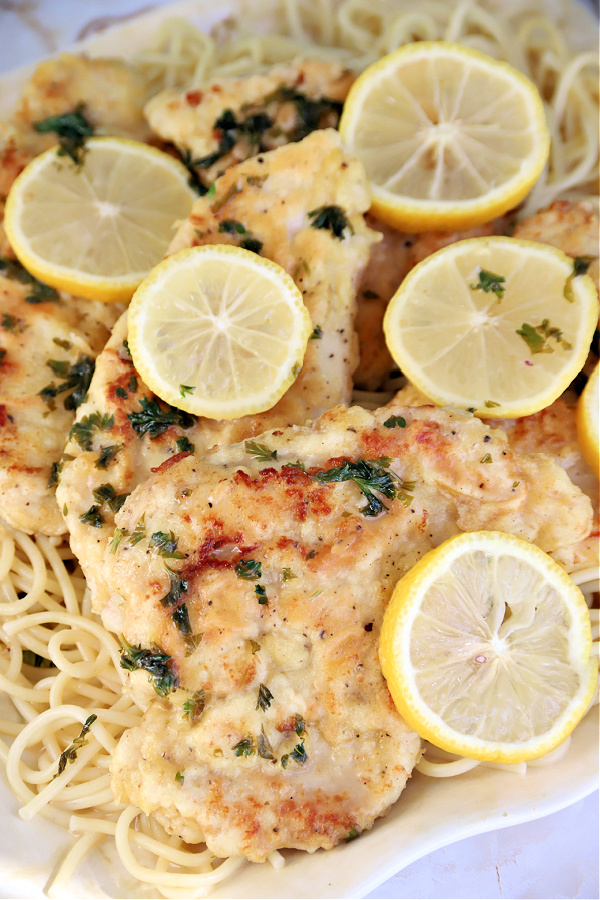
(271, 197)
(259, 585)
(48, 339)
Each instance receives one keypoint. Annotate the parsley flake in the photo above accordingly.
(194, 706)
(166, 545)
(395, 422)
(70, 754)
(260, 451)
(152, 419)
(490, 282)
(249, 569)
(332, 218)
(538, 337)
(72, 129)
(156, 663)
(261, 594)
(264, 697)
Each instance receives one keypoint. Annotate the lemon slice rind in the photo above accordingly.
(396, 650)
(587, 420)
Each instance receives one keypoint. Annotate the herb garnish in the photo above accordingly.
(78, 379)
(40, 292)
(195, 706)
(184, 446)
(261, 594)
(121, 393)
(331, 217)
(264, 697)
(487, 458)
(287, 574)
(251, 244)
(118, 536)
(70, 754)
(12, 323)
(92, 517)
(166, 545)
(139, 532)
(179, 777)
(156, 663)
(232, 226)
(178, 587)
(72, 129)
(248, 568)
(245, 747)
(152, 419)
(260, 451)
(107, 494)
(395, 422)
(352, 834)
(181, 620)
(317, 333)
(369, 475)
(107, 454)
(538, 337)
(185, 389)
(81, 432)
(490, 282)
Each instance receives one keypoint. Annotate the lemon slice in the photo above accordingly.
(485, 324)
(588, 412)
(449, 137)
(218, 331)
(95, 229)
(486, 645)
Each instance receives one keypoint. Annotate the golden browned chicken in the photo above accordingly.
(254, 581)
(270, 198)
(224, 122)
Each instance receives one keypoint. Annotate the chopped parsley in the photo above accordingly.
(194, 706)
(40, 292)
(70, 754)
(12, 323)
(490, 282)
(156, 663)
(184, 446)
(264, 697)
(121, 393)
(107, 454)
(118, 536)
(107, 494)
(179, 586)
(252, 244)
(166, 545)
(81, 432)
(260, 451)
(181, 620)
(72, 129)
(317, 333)
(179, 777)
(287, 574)
(78, 379)
(185, 389)
(139, 532)
(299, 753)
(245, 747)
(152, 419)
(261, 594)
(299, 726)
(248, 568)
(54, 473)
(487, 458)
(352, 834)
(232, 226)
(395, 422)
(538, 337)
(369, 475)
(92, 517)
(332, 218)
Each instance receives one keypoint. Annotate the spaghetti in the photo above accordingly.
(59, 668)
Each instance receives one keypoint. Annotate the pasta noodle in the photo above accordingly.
(59, 668)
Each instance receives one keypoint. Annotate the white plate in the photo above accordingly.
(430, 813)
